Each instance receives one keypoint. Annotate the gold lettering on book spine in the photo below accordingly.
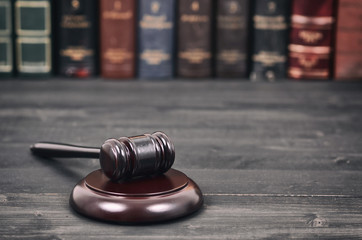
(194, 18)
(231, 21)
(272, 6)
(75, 21)
(117, 55)
(195, 6)
(75, 4)
(231, 56)
(269, 58)
(155, 57)
(310, 36)
(155, 7)
(155, 22)
(195, 55)
(117, 13)
(317, 73)
(308, 62)
(233, 7)
(76, 53)
(270, 23)
(117, 5)
(275, 23)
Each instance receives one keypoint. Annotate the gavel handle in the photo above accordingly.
(61, 150)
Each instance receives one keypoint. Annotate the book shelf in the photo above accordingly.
(171, 39)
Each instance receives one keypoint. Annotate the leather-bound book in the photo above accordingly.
(270, 39)
(117, 38)
(33, 40)
(6, 46)
(231, 38)
(156, 38)
(311, 37)
(348, 48)
(76, 37)
(194, 56)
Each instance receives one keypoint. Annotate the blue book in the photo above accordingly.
(156, 24)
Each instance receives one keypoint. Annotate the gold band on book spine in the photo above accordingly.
(300, 73)
(307, 49)
(7, 29)
(305, 20)
(33, 4)
(43, 68)
(7, 66)
(275, 23)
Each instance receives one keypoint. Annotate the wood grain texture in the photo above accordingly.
(275, 161)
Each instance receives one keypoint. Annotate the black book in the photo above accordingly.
(232, 38)
(270, 39)
(76, 37)
(194, 56)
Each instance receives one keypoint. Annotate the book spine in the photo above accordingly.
(270, 38)
(76, 34)
(156, 38)
(194, 56)
(117, 37)
(310, 45)
(33, 38)
(232, 38)
(6, 46)
(348, 51)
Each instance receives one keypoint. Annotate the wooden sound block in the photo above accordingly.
(145, 200)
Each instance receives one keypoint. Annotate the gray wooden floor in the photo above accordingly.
(274, 161)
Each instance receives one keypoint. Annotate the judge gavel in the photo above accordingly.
(120, 159)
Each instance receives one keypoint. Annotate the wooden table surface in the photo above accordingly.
(274, 161)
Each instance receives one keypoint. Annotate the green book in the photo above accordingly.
(33, 38)
(6, 46)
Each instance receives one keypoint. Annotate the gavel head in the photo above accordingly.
(142, 155)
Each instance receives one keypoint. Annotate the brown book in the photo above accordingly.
(311, 39)
(194, 38)
(231, 38)
(348, 50)
(117, 38)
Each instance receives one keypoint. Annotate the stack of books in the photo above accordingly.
(166, 39)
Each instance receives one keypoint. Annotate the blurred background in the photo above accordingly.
(168, 39)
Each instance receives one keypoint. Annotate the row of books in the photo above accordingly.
(260, 39)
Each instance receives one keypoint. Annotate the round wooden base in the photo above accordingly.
(144, 200)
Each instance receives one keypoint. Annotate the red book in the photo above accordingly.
(348, 49)
(311, 37)
(117, 38)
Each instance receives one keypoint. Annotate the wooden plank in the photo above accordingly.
(253, 126)
(57, 177)
(223, 217)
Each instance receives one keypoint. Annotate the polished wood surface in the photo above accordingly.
(151, 199)
(274, 161)
(63, 150)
